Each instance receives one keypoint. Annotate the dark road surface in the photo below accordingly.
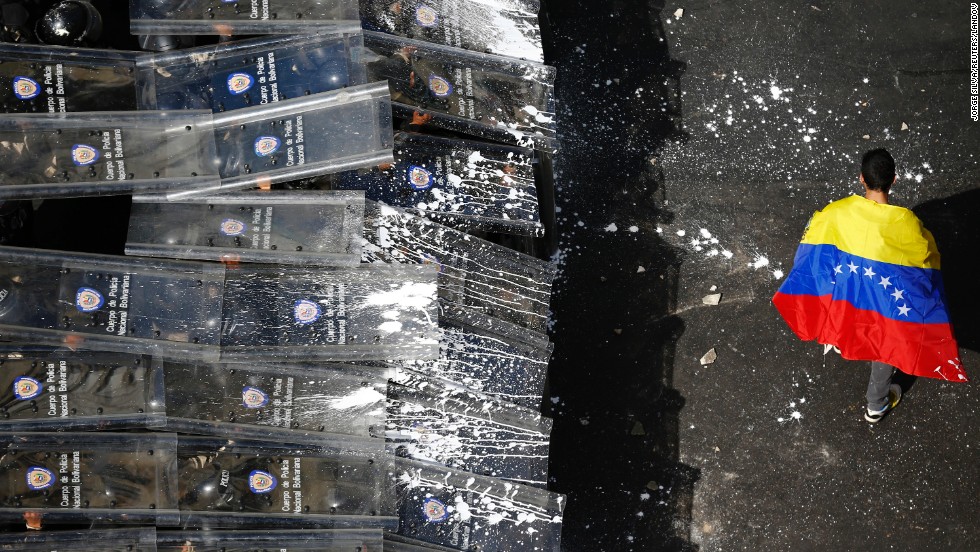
(695, 146)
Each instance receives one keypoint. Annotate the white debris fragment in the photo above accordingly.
(709, 357)
(866, 137)
(640, 269)
(827, 348)
(679, 13)
(712, 299)
(681, 233)
(905, 125)
(611, 228)
(634, 229)
(777, 274)
(712, 288)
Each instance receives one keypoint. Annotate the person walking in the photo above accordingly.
(866, 279)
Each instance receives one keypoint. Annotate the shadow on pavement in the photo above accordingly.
(614, 448)
(953, 222)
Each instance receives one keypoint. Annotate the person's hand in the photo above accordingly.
(419, 118)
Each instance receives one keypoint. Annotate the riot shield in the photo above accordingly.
(466, 511)
(368, 312)
(491, 97)
(141, 539)
(322, 540)
(44, 389)
(267, 401)
(52, 79)
(473, 273)
(207, 17)
(93, 153)
(462, 183)
(56, 478)
(304, 228)
(279, 483)
(121, 304)
(502, 27)
(484, 356)
(303, 137)
(468, 431)
(232, 75)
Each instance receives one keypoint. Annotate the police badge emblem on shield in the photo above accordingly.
(434, 510)
(261, 482)
(253, 397)
(88, 299)
(440, 86)
(239, 83)
(40, 478)
(26, 88)
(232, 227)
(26, 388)
(266, 145)
(426, 16)
(306, 312)
(83, 155)
(419, 178)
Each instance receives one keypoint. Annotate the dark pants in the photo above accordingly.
(878, 384)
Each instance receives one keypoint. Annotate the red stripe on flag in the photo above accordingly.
(927, 350)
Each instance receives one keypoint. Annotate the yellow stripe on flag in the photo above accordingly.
(885, 233)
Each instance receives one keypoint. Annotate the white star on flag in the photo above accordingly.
(869, 273)
(853, 267)
(837, 269)
(885, 281)
(898, 294)
(903, 310)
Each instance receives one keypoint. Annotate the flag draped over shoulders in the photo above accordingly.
(866, 279)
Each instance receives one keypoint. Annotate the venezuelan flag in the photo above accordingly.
(866, 279)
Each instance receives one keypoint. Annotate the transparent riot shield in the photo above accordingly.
(322, 540)
(278, 483)
(268, 401)
(502, 27)
(491, 97)
(101, 302)
(232, 75)
(58, 478)
(143, 539)
(52, 79)
(468, 431)
(466, 511)
(483, 355)
(473, 273)
(465, 184)
(44, 389)
(303, 137)
(205, 17)
(368, 312)
(293, 227)
(93, 153)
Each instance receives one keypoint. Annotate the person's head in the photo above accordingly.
(878, 170)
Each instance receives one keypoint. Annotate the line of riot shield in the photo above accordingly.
(53, 79)
(490, 97)
(368, 312)
(244, 73)
(467, 431)
(46, 389)
(502, 27)
(143, 539)
(57, 478)
(282, 227)
(465, 184)
(319, 540)
(262, 484)
(398, 543)
(257, 17)
(473, 273)
(274, 401)
(302, 137)
(95, 153)
(466, 511)
(121, 304)
(482, 354)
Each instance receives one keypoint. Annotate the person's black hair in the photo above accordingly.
(878, 170)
